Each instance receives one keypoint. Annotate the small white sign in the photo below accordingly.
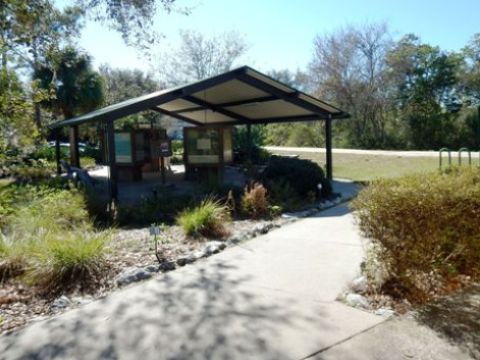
(154, 230)
(204, 144)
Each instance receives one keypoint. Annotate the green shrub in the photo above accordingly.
(9, 159)
(303, 176)
(88, 155)
(254, 202)
(162, 206)
(207, 219)
(283, 195)
(87, 162)
(91, 152)
(424, 229)
(275, 211)
(14, 196)
(49, 153)
(177, 146)
(31, 172)
(176, 159)
(52, 210)
(257, 155)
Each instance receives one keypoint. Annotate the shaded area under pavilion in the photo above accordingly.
(241, 96)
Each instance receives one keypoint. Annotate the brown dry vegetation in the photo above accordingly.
(424, 229)
(254, 201)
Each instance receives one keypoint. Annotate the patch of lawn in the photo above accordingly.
(369, 167)
(5, 182)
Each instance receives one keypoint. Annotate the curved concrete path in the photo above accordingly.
(270, 298)
(406, 153)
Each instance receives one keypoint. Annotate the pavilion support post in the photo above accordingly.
(478, 128)
(57, 150)
(113, 174)
(221, 168)
(74, 153)
(249, 142)
(328, 147)
(162, 169)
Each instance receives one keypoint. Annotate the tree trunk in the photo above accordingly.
(4, 60)
(3, 37)
(37, 115)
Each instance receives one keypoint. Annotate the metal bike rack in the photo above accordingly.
(440, 152)
(464, 149)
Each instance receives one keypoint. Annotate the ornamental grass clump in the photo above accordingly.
(73, 260)
(49, 241)
(425, 229)
(207, 219)
(11, 259)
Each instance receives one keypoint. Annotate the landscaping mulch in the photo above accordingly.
(18, 305)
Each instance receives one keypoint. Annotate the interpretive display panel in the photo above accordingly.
(205, 146)
(123, 147)
(227, 146)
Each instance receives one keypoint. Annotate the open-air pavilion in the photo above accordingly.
(242, 96)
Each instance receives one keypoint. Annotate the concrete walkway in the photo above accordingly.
(270, 298)
(406, 153)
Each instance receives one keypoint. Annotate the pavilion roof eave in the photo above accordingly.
(240, 96)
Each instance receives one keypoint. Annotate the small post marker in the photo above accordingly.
(155, 231)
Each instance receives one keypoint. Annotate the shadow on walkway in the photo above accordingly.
(203, 314)
(456, 318)
(337, 211)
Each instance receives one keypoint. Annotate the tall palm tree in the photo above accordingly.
(74, 86)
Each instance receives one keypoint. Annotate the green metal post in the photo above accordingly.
(249, 142)
(328, 147)
(113, 176)
(440, 157)
(57, 151)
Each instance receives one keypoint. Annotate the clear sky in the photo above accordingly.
(280, 33)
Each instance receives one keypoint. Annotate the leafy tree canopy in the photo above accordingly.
(124, 84)
(470, 71)
(199, 57)
(133, 19)
(16, 124)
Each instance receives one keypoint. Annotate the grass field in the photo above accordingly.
(369, 167)
(5, 182)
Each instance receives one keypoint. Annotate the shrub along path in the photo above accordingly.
(269, 298)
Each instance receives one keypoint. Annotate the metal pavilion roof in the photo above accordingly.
(237, 97)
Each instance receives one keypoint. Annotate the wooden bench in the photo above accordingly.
(78, 175)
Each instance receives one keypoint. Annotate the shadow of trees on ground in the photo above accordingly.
(456, 318)
(336, 211)
(194, 313)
